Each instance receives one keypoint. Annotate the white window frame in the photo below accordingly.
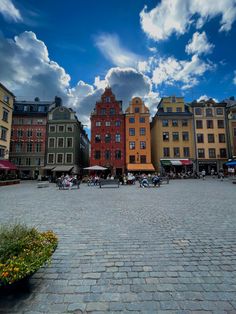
(70, 125)
(60, 163)
(63, 142)
(72, 157)
(49, 142)
(51, 163)
(72, 142)
(58, 126)
(54, 128)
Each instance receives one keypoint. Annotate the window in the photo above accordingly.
(117, 123)
(234, 131)
(19, 133)
(132, 132)
(200, 138)
(52, 128)
(131, 120)
(186, 151)
(184, 122)
(211, 138)
(51, 142)
(166, 152)
(118, 154)
(208, 112)
(37, 161)
(142, 131)
(19, 147)
(98, 123)
(131, 145)
(38, 133)
(198, 124)
(97, 154)
(178, 109)
(103, 111)
(223, 153)
(18, 161)
(198, 111)
(28, 161)
(142, 120)
(108, 99)
(210, 124)
(29, 147)
(97, 138)
(212, 153)
(173, 99)
(185, 136)
(169, 109)
(201, 153)
(165, 123)
(220, 124)
(221, 138)
(69, 128)
(143, 159)
(68, 158)
(60, 128)
(2, 152)
(132, 159)
(107, 138)
(142, 144)
(175, 136)
(4, 134)
(5, 115)
(107, 123)
(28, 121)
(176, 151)
(6, 98)
(38, 147)
(117, 138)
(59, 158)
(69, 142)
(174, 122)
(40, 121)
(136, 109)
(41, 108)
(112, 111)
(107, 155)
(60, 142)
(50, 158)
(219, 111)
(165, 136)
(29, 133)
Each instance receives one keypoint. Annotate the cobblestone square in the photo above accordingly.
(130, 250)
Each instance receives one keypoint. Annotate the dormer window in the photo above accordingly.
(136, 109)
(173, 99)
(108, 99)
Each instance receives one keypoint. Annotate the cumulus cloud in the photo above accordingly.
(9, 11)
(171, 70)
(176, 16)
(205, 98)
(111, 48)
(199, 44)
(234, 80)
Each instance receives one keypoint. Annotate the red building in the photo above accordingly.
(108, 134)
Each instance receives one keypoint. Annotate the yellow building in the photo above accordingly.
(172, 136)
(210, 134)
(6, 107)
(138, 142)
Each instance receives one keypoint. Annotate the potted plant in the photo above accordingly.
(23, 250)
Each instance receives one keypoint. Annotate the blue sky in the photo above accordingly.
(150, 49)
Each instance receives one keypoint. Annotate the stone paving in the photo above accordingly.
(130, 250)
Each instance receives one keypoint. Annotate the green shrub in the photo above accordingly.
(23, 251)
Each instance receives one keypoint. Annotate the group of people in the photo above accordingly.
(68, 181)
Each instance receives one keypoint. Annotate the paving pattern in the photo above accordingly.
(130, 250)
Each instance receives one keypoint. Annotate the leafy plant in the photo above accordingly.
(23, 251)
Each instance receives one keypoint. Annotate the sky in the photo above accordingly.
(146, 48)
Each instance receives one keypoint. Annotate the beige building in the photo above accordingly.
(172, 136)
(6, 107)
(210, 134)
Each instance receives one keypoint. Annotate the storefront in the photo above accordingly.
(176, 166)
(8, 171)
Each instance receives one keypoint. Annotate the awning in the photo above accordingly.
(95, 168)
(63, 168)
(7, 165)
(231, 163)
(47, 167)
(140, 167)
(176, 162)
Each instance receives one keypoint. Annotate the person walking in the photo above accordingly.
(203, 174)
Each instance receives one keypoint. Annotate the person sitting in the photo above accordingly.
(156, 180)
(144, 182)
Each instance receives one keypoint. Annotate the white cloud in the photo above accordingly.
(205, 98)
(171, 70)
(199, 44)
(176, 16)
(234, 81)
(9, 11)
(111, 48)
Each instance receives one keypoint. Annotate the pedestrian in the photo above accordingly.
(203, 174)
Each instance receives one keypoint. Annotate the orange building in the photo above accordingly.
(138, 138)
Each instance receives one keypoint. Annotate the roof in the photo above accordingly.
(140, 167)
(7, 90)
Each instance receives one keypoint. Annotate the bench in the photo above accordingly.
(109, 182)
(44, 184)
(162, 180)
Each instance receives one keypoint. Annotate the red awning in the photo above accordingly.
(186, 162)
(7, 165)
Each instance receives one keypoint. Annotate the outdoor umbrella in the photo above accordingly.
(95, 168)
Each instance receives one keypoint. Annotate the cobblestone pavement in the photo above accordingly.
(130, 250)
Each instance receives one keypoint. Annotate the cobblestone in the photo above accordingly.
(130, 250)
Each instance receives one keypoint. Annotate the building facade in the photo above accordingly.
(67, 143)
(231, 127)
(6, 108)
(108, 134)
(172, 136)
(138, 137)
(28, 136)
(210, 134)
